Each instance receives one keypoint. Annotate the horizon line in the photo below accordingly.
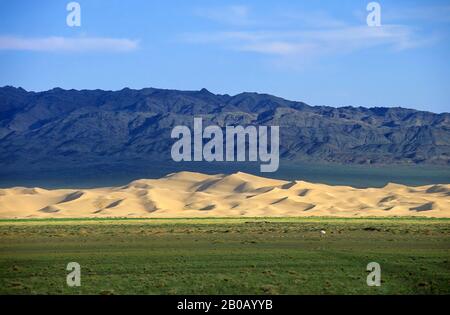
(218, 94)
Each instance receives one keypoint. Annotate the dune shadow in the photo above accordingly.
(72, 196)
(49, 209)
(425, 207)
(114, 204)
(205, 185)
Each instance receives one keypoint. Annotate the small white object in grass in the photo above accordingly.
(322, 232)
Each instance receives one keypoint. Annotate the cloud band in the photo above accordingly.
(65, 44)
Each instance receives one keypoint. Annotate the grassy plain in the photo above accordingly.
(225, 256)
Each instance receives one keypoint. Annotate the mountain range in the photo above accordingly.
(85, 126)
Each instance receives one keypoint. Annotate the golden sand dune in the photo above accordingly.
(187, 194)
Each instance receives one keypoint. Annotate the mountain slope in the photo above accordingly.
(85, 126)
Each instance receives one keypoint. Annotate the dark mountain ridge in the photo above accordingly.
(85, 126)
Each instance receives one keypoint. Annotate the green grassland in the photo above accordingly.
(225, 256)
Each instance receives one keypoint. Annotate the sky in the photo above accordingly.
(319, 52)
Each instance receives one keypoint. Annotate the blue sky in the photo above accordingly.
(319, 52)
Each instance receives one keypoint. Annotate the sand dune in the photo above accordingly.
(187, 194)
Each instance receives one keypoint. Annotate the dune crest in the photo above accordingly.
(188, 194)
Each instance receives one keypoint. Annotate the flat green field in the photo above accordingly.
(225, 256)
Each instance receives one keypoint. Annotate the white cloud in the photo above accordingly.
(309, 19)
(304, 34)
(278, 48)
(65, 44)
(312, 42)
(430, 13)
(233, 14)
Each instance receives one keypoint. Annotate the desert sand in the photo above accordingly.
(187, 194)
